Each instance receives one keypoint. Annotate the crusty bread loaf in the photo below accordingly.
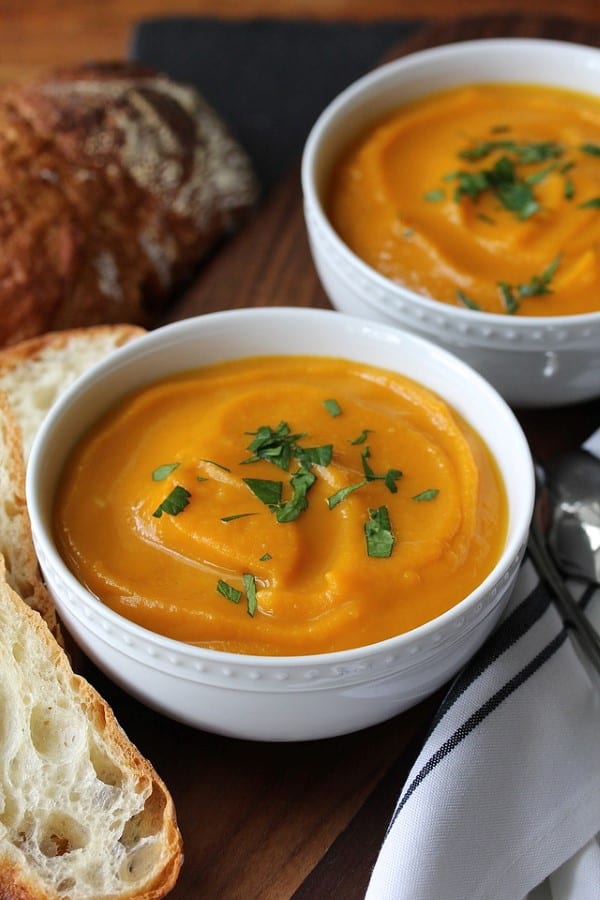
(84, 814)
(115, 181)
(35, 372)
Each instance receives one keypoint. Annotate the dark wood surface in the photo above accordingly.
(275, 821)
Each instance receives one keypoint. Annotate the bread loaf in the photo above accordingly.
(84, 814)
(114, 182)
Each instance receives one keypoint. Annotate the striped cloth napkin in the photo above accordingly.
(503, 802)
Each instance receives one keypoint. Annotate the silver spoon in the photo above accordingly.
(573, 483)
(570, 611)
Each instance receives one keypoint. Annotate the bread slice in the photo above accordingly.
(21, 568)
(83, 813)
(34, 373)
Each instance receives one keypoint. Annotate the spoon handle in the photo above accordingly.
(571, 613)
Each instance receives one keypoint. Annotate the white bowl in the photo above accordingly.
(282, 698)
(532, 361)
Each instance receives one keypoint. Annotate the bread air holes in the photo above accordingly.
(61, 834)
(106, 770)
(54, 734)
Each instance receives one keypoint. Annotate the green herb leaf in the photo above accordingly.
(228, 591)
(332, 407)
(237, 516)
(164, 471)
(539, 283)
(250, 588)
(518, 197)
(340, 495)
(390, 477)
(569, 189)
(528, 152)
(593, 203)
(268, 492)
(467, 301)
(434, 196)
(429, 494)
(511, 304)
(211, 462)
(265, 557)
(275, 445)
(174, 503)
(362, 436)
(378, 533)
(318, 456)
(590, 149)
(301, 483)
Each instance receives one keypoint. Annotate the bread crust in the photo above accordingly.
(115, 182)
(21, 566)
(20, 875)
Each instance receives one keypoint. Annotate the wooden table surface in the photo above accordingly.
(275, 821)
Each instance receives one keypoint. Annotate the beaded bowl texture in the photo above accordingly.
(533, 361)
(279, 698)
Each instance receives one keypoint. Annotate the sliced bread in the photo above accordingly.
(16, 543)
(83, 813)
(34, 373)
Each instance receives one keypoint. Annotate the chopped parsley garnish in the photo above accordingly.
(265, 557)
(237, 516)
(314, 456)
(235, 595)
(174, 503)
(503, 178)
(250, 588)
(429, 494)
(590, 149)
(593, 203)
(535, 287)
(362, 437)
(340, 495)
(275, 445)
(528, 152)
(468, 301)
(211, 462)
(301, 483)
(389, 478)
(228, 591)
(378, 533)
(268, 492)
(539, 283)
(434, 196)
(164, 471)
(332, 407)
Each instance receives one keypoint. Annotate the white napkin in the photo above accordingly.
(503, 802)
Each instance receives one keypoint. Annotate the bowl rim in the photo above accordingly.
(171, 334)
(376, 80)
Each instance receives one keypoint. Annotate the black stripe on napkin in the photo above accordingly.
(479, 716)
(516, 624)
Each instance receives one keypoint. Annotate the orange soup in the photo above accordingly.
(485, 196)
(281, 505)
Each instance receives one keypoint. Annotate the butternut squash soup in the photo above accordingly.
(281, 505)
(484, 196)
